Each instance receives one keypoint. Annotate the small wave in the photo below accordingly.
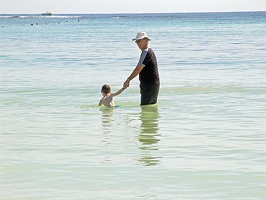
(39, 16)
(208, 89)
(16, 16)
(61, 16)
(10, 16)
(118, 17)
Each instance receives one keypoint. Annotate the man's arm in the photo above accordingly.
(135, 72)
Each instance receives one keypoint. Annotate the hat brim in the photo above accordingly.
(135, 39)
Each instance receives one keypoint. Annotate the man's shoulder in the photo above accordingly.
(147, 51)
(150, 50)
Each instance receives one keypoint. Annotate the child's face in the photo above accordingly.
(103, 93)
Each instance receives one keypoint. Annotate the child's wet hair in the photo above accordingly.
(106, 89)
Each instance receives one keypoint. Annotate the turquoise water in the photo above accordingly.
(205, 139)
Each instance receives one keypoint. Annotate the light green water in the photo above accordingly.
(205, 139)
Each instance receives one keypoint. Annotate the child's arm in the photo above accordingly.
(118, 92)
(100, 102)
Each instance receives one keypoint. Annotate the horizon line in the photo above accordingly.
(183, 12)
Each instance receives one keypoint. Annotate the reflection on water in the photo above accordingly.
(107, 113)
(107, 120)
(107, 123)
(148, 135)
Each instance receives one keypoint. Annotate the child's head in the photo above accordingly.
(106, 89)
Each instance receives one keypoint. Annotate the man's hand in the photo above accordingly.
(126, 84)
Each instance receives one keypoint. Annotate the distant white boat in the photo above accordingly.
(48, 13)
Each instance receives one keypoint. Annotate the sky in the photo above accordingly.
(127, 6)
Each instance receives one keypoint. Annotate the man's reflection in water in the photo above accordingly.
(148, 135)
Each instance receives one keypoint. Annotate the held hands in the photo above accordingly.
(126, 84)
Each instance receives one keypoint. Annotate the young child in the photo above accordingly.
(108, 97)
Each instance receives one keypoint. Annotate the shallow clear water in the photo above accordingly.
(205, 139)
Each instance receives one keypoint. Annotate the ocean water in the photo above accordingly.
(205, 138)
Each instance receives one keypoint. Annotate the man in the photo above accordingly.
(147, 70)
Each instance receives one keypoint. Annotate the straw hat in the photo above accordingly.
(140, 36)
